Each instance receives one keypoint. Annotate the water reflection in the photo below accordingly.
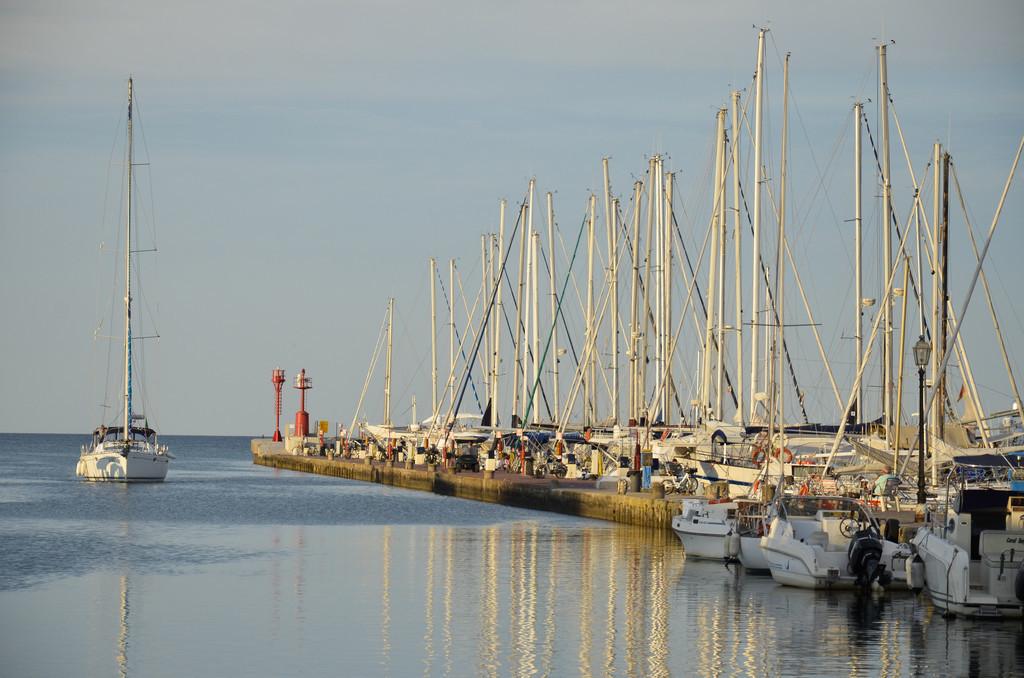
(385, 600)
(122, 634)
(527, 598)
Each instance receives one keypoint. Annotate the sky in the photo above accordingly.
(306, 158)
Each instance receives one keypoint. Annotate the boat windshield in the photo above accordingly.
(104, 433)
(809, 507)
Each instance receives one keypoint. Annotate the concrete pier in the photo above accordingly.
(561, 496)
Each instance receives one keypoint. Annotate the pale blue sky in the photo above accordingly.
(307, 158)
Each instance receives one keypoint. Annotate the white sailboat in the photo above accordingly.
(129, 452)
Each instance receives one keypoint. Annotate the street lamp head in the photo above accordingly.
(922, 352)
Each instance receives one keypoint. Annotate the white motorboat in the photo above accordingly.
(972, 554)
(831, 542)
(703, 526)
(127, 452)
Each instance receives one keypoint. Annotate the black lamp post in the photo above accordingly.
(922, 353)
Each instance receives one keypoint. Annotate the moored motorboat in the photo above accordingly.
(703, 526)
(971, 555)
(831, 542)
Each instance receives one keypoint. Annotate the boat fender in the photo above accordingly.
(1018, 585)
(915, 573)
(732, 545)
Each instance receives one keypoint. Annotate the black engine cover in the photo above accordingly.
(864, 557)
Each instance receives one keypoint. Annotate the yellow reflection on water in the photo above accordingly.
(385, 600)
(428, 624)
(488, 652)
(658, 647)
(449, 583)
(610, 609)
(550, 606)
(122, 635)
(586, 603)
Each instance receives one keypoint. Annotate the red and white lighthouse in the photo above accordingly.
(278, 380)
(302, 383)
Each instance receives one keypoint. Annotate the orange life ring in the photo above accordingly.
(804, 490)
(758, 456)
(787, 455)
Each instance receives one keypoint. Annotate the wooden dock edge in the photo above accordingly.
(629, 509)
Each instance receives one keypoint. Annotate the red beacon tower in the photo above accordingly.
(278, 380)
(302, 383)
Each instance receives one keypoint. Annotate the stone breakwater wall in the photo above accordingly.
(641, 510)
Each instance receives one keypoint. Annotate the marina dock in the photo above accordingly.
(571, 497)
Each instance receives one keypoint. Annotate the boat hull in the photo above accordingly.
(702, 528)
(965, 587)
(112, 466)
(710, 546)
(751, 556)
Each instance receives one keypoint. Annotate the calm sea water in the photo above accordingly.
(229, 569)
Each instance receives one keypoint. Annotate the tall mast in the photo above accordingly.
(433, 336)
(658, 283)
(613, 257)
(485, 292)
(451, 329)
(588, 393)
(858, 293)
(709, 322)
(498, 315)
(645, 305)
(554, 304)
(883, 95)
(609, 222)
(634, 330)
(667, 314)
(940, 329)
(755, 296)
(936, 358)
(722, 245)
(737, 237)
(128, 282)
(524, 302)
(780, 270)
(517, 347)
(387, 363)
(534, 251)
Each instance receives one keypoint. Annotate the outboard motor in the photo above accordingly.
(864, 557)
(1018, 585)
